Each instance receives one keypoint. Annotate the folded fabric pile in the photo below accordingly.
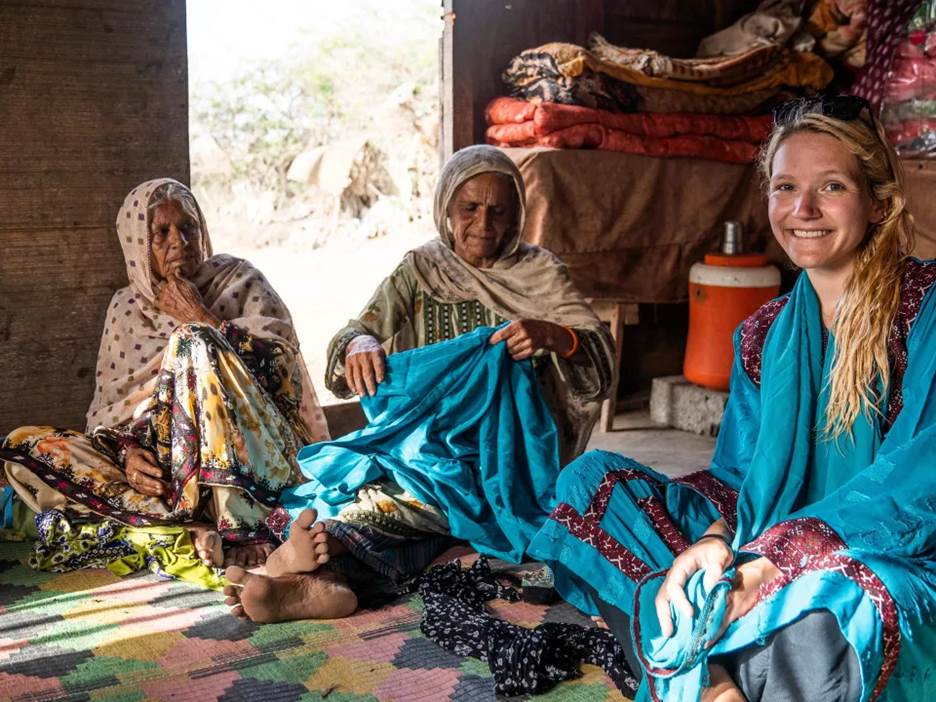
(620, 79)
(734, 139)
(840, 28)
(65, 544)
(572, 97)
(909, 111)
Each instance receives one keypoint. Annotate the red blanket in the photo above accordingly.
(718, 137)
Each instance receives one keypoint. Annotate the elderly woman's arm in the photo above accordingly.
(585, 354)
(390, 310)
(590, 370)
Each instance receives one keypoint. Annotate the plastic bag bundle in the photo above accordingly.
(909, 106)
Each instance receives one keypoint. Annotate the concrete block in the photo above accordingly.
(675, 402)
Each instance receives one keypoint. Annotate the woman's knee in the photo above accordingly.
(581, 477)
(196, 342)
(809, 659)
(22, 435)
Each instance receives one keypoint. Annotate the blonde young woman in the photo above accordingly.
(802, 564)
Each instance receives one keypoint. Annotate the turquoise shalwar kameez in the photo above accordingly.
(851, 524)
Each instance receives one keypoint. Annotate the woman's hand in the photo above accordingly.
(748, 580)
(143, 473)
(180, 298)
(364, 364)
(525, 337)
(711, 555)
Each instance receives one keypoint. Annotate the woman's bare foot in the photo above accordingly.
(263, 599)
(248, 556)
(721, 687)
(207, 542)
(308, 547)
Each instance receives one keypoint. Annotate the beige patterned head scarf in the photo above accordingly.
(136, 331)
(526, 282)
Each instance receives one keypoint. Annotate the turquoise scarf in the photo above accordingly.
(462, 427)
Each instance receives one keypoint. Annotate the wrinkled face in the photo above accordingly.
(174, 240)
(482, 214)
(819, 206)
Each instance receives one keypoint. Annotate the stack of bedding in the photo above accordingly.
(733, 139)
(640, 101)
(622, 79)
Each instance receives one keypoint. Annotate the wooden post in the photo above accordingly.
(93, 101)
(617, 314)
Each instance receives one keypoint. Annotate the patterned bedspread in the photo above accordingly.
(89, 635)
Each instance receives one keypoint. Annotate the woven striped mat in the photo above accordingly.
(89, 635)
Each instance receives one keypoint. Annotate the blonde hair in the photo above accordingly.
(860, 373)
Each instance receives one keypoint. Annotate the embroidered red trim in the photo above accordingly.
(754, 333)
(722, 497)
(918, 278)
(663, 524)
(599, 504)
(591, 533)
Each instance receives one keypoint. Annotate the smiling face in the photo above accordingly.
(819, 205)
(174, 240)
(482, 214)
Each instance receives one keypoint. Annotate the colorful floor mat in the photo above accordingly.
(89, 635)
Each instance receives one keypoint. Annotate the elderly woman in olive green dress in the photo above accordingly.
(476, 273)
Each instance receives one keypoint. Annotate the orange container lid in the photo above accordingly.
(746, 260)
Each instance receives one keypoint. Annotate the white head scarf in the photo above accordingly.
(136, 332)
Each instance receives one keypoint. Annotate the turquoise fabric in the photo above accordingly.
(875, 492)
(6, 508)
(675, 659)
(459, 425)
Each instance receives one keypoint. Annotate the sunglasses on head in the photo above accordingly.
(843, 107)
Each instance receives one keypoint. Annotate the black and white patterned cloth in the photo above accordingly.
(522, 660)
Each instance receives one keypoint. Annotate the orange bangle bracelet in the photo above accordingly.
(575, 343)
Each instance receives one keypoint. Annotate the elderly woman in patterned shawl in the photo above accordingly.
(477, 273)
(201, 400)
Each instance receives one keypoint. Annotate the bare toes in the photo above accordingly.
(306, 518)
(235, 574)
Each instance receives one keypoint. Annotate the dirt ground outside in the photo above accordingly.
(314, 144)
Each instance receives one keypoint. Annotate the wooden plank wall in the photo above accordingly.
(481, 36)
(93, 101)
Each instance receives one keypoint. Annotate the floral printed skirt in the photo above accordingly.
(225, 448)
